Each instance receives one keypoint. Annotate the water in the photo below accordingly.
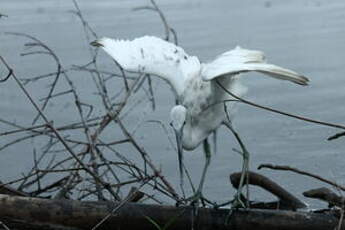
(306, 36)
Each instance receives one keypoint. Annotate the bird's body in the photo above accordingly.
(200, 109)
(203, 101)
(194, 83)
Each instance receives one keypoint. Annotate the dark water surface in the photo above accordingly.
(307, 36)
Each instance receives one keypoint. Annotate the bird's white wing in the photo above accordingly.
(242, 60)
(152, 55)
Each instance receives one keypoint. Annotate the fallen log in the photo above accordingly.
(327, 195)
(18, 212)
(286, 201)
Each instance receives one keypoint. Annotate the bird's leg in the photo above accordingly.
(215, 141)
(245, 169)
(178, 135)
(180, 161)
(198, 194)
(207, 153)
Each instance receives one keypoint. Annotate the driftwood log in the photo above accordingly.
(286, 201)
(35, 213)
(326, 195)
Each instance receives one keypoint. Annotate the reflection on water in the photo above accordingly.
(307, 36)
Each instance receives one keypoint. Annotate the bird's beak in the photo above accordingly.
(96, 43)
(179, 134)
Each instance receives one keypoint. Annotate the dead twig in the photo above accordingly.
(336, 136)
(130, 197)
(278, 111)
(46, 50)
(7, 77)
(4, 226)
(50, 126)
(288, 168)
(86, 172)
(167, 28)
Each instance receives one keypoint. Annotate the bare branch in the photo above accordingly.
(62, 140)
(280, 112)
(288, 168)
(336, 136)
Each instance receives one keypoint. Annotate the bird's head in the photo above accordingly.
(178, 120)
(178, 117)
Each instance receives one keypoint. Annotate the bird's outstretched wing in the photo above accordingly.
(242, 60)
(152, 55)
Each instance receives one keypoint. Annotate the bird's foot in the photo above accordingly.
(239, 201)
(195, 199)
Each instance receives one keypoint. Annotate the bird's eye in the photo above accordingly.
(171, 124)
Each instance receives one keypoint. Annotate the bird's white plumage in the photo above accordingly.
(155, 56)
(194, 83)
(242, 60)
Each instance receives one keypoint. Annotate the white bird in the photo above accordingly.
(200, 109)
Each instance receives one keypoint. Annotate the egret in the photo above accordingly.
(200, 98)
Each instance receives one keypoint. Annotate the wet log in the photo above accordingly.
(326, 195)
(69, 214)
(286, 201)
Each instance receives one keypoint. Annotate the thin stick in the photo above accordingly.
(120, 205)
(288, 168)
(50, 126)
(280, 112)
(336, 136)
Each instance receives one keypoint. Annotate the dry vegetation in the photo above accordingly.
(87, 171)
(91, 168)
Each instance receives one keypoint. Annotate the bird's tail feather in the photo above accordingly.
(278, 72)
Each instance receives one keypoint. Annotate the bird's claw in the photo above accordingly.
(239, 201)
(195, 199)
